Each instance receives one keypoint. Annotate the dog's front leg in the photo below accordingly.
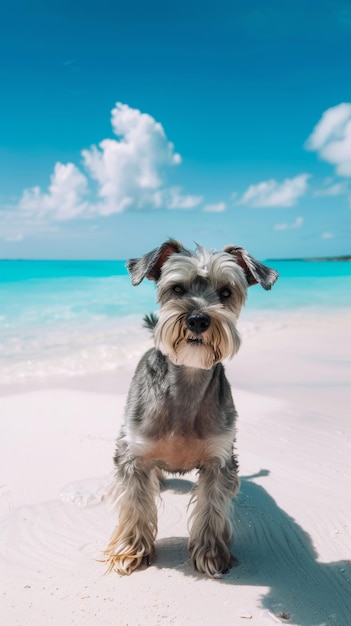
(212, 529)
(134, 495)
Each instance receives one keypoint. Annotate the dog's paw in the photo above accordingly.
(126, 564)
(129, 548)
(124, 558)
(214, 563)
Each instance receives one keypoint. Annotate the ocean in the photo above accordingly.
(70, 318)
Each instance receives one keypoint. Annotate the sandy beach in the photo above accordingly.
(291, 386)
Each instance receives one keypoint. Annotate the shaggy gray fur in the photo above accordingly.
(180, 413)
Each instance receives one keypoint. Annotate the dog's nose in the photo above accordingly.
(198, 322)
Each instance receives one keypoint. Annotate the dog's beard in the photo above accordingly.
(203, 351)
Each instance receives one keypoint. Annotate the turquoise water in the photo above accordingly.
(74, 317)
(307, 285)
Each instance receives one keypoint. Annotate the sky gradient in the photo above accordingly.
(226, 122)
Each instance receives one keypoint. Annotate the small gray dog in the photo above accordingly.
(180, 413)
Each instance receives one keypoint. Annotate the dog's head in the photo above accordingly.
(201, 293)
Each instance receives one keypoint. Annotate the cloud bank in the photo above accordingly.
(131, 171)
(331, 138)
(271, 193)
(64, 199)
(294, 226)
(128, 172)
(217, 207)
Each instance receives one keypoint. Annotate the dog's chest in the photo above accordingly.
(176, 453)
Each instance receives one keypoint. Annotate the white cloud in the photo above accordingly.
(327, 236)
(297, 224)
(64, 199)
(13, 238)
(130, 169)
(270, 193)
(218, 207)
(331, 138)
(173, 198)
(15, 225)
(336, 189)
(130, 172)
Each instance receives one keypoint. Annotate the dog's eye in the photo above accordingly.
(225, 293)
(178, 289)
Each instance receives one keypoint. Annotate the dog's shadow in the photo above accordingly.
(273, 551)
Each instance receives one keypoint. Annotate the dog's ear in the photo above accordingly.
(150, 265)
(255, 271)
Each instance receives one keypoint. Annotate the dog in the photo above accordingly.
(180, 413)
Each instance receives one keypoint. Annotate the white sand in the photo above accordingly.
(293, 514)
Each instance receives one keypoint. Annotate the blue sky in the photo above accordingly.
(220, 122)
